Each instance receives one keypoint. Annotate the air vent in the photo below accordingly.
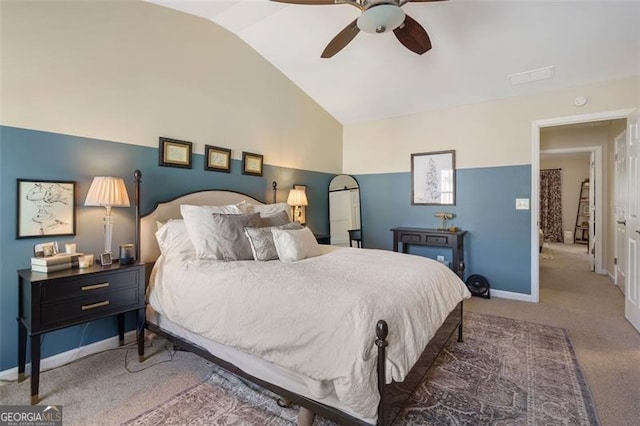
(531, 76)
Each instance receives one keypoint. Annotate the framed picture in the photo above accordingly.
(300, 212)
(175, 153)
(46, 208)
(251, 164)
(433, 178)
(45, 249)
(217, 159)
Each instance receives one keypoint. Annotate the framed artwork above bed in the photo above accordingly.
(217, 159)
(175, 153)
(251, 164)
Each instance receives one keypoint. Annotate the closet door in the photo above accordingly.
(632, 295)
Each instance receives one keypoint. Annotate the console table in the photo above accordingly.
(433, 238)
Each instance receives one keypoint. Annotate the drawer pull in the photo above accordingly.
(94, 287)
(95, 305)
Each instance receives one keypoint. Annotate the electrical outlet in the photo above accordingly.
(522, 204)
(440, 258)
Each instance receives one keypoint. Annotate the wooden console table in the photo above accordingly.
(433, 238)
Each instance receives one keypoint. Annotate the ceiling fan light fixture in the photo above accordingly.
(381, 18)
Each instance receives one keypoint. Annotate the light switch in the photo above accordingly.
(522, 204)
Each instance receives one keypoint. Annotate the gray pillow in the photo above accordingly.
(278, 219)
(261, 240)
(228, 232)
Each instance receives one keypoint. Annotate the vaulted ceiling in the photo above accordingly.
(476, 45)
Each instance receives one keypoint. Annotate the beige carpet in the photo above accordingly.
(591, 308)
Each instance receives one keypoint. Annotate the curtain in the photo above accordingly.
(551, 204)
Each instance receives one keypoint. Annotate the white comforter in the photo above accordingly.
(316, 316)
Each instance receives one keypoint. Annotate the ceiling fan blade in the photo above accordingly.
(306, 1)
(413, 36)
(343, 38)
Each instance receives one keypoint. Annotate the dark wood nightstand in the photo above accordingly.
(61, 299)
(323, 239)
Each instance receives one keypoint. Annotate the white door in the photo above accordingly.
(632, 293)
(592, 213)
(620, 211)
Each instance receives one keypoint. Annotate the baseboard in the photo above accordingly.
(501, 294)
(611, 277)
(71, 355)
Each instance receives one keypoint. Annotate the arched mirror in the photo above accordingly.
(344, 211)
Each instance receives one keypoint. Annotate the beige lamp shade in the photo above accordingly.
(297, 197)
(107, 191)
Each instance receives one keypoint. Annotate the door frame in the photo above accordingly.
(536, 125)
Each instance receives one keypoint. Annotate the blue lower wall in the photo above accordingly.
(29, 154)
(498, 239)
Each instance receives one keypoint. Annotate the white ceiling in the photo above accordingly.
(476, 44)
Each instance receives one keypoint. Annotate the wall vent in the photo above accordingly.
(531, 75)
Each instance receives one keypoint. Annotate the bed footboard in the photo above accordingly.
(394, 396)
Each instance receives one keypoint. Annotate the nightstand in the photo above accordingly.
(323, 239)
(49, 302)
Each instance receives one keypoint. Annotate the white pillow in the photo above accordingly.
(293, 245)
(173, 238)
(264, 209)
(201, 228)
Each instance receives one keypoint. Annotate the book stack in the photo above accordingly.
(58, 262)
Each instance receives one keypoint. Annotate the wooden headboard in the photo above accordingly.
(147, 249)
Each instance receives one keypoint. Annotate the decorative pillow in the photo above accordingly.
(278, 219)
(200, 227)
(173, 238)
(228, 237)
(295, 244)
(261, 240)
(265, 209)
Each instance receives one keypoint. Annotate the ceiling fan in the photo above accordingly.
(378, 16)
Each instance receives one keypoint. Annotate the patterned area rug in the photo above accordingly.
(506, 372)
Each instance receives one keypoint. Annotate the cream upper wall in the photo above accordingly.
(494, 133)
(133, 71)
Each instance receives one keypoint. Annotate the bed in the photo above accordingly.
(308, 330)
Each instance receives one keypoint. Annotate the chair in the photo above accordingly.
(355, 235)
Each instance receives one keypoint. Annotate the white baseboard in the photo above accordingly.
(71, 355)
(501, 294)
(611, 277)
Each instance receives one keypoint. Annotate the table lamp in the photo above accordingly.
(297, 199)
(107, 191)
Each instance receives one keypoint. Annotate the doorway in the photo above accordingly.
(581, 171)
(571, 203)
(535, 173)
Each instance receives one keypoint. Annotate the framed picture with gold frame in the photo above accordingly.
(175, 153)
(217, 159)
(251, 164)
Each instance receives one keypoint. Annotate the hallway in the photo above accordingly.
(591, 308)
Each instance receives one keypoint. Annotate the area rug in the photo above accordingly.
(506, 372)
